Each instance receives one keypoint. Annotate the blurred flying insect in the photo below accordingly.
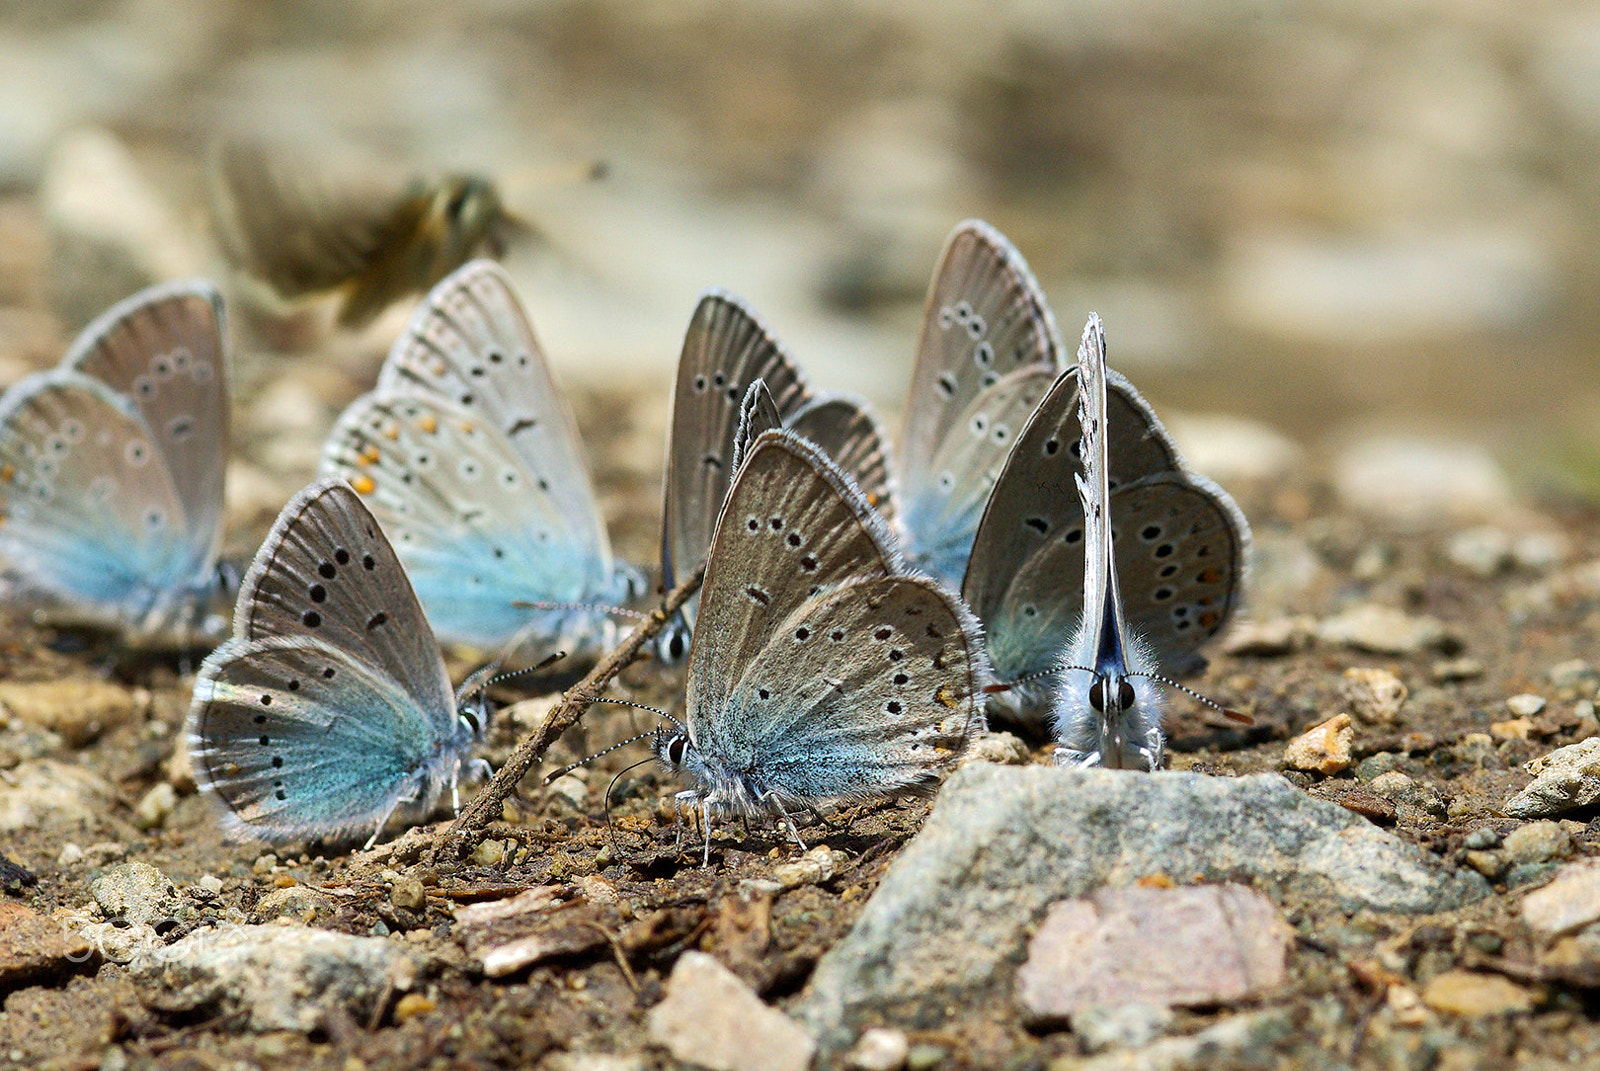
(308, 228)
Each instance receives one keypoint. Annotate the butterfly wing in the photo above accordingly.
(985, 319)
(853, 439)
(792, 525)
(479, 529)
(1022, 575)
(163, 350)
(725, 350)
(940, 518)
(470, 344)
(91, 516)
(331, 703)
(864, 688)
(1181, 550)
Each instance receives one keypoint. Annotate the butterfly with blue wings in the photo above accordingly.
(330, 708)
(987, 354)
(821, 668)
(726, 350)
(111, 472)
(1170, 580)
(468, 455)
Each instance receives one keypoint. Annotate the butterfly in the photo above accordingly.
(987, 354)
(725, 350)
(1163, 553)
(330, 708)
(821, 669)
(111, 471)
(305, 228)
(469, 457)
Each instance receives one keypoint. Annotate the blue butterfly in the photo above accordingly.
(987, 354)
(727, 350)
(330, 708)
(469, 457)
(111, 471)
(821, 669)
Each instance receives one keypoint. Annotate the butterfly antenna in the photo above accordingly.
(1006, 686)
(1238, 716)
(582, 608)
(610, 829)
(587, 759)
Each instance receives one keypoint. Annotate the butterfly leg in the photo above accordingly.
(822, 819)
(771, 800)
(383, 820)
(705, 816)
(683, 805)
(1066, 756)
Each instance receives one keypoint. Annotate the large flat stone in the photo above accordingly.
(951, 919)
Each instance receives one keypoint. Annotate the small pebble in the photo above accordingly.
(712, 1019)
(1385, 630)
(1270, 638)
(1472, 995)
(879, 1048)
(1483, 551)
(1570, 902)
(155, 806)
(264, 863)
(1541, 551)
(408, 894)
(1536, 842)
(1575, 673)
(1481, 838)
(489, 853)
(1373, 695)
(1564, 779)
(410, 1006)
(1525, 705)
(1511, 729)
(210, 883)
(1456, 669)
(1323, 748)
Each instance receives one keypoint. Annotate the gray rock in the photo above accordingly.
(280, 977)
(953, 912)
(1199, 944)
(1240, 1041)
(1421, 481)
(712, 1019)
(1536, 842)
(60, 801)
(1482, 551)
(880, 1048)
(1385, 630)
(138, 893)
(1120, 1026)
(1564, 779)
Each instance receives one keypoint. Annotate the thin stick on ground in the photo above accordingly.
(467, 830)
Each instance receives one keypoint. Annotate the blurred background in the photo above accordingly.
(1328, 220)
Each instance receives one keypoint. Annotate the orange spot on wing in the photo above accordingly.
(429, 424)
(363, 485)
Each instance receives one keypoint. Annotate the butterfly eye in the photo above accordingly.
(676, 746)
(1124, 695)
(1097, 695)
